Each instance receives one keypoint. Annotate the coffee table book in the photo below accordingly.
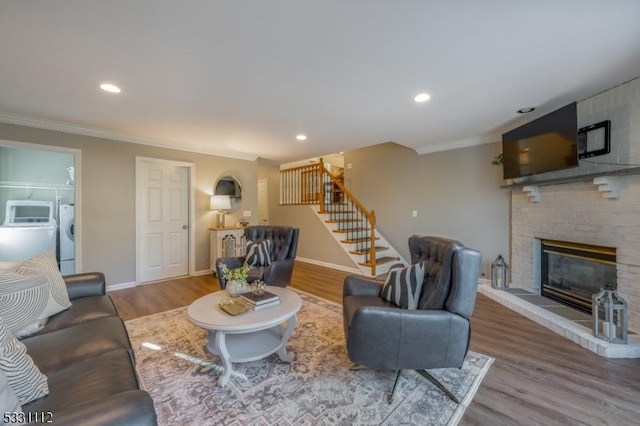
(265, 297)
(265, 305)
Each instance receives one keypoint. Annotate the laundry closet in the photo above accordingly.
(37, 193)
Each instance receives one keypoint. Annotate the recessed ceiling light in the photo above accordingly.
(301, 137)
(111, 88)
(422, 97)
(526, 110)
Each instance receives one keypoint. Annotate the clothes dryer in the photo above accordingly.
(67, 239)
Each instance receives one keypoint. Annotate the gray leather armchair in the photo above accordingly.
(284, 243)
(436, 335)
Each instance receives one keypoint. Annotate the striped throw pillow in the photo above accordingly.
(24, 377)
(259, 254)
(403, 285)
(47, 265)
(8, 400)
(23, 299)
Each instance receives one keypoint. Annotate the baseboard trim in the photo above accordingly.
(329, 265)
(120, 286)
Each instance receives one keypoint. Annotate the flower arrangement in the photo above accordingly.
(235, 275)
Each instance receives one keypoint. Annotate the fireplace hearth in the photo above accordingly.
(572, 272)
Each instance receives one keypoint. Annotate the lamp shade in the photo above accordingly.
(220, 202)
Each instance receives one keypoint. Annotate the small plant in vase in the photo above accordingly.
(236, 278)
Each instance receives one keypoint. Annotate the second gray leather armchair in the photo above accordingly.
(436, 335)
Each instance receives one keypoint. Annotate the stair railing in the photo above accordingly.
(314, 184)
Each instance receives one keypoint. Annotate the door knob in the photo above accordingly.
(185, 226)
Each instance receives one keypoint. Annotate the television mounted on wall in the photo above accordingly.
(543, 145)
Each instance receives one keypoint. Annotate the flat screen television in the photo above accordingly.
(543, 145)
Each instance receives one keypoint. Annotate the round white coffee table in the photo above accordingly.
(250, 336)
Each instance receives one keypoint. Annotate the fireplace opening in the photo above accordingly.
(571, 272)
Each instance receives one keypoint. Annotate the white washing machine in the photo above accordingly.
(67, 240)
(29, 229)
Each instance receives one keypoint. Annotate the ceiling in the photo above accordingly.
(243, 78)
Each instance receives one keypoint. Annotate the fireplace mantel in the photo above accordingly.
(605, 182)
(609, 186)
(569, 179)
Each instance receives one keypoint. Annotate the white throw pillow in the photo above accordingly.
(47, 265)
(8, 401)
(23, 299)
(24, 377)
(8, 266)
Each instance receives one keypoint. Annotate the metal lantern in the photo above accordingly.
(610, 315)
(499, 270)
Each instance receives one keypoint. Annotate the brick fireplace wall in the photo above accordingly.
(577, 212)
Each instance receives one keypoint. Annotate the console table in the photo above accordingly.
(225, 242)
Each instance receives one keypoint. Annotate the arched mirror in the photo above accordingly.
(229, 186)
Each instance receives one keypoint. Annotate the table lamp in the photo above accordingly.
(220, 203)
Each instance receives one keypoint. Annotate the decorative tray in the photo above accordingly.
(234, 307)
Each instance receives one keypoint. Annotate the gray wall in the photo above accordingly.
(456, 194)
(108, 195)
(315, 242)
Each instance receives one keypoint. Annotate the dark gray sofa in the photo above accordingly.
(87, 357)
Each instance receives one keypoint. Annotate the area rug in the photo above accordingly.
(317, 388)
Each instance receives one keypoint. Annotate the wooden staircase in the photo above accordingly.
(350, 223)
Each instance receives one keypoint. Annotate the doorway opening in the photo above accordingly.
(49, 176)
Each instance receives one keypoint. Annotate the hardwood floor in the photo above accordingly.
(538, 377)
(162, 296)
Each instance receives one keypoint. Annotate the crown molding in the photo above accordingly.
(59, 126)
(460, 143)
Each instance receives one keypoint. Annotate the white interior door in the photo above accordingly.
(163, 220)
(263, 201)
